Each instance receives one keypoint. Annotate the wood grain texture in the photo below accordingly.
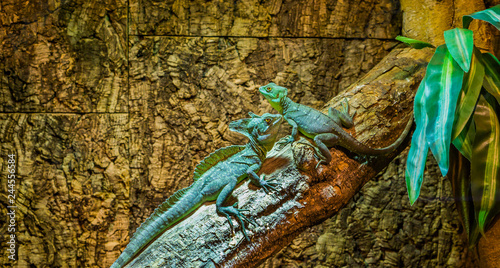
(379, 228)
(64, 78)
(72, 187)
(63, 56)
(110, 104)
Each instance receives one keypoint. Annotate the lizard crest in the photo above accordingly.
(260, 130)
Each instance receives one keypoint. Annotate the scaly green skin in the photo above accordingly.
(215, 182)
(326, 130)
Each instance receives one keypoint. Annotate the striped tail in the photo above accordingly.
(169, 212)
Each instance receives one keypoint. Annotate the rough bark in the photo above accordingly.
(110, 104)
(269, 18)
(63, 56)
(427, 20)
(97, 157)
(382, 100)
(180, 111)
(379, 228)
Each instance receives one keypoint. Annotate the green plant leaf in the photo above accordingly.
(415, 164)
(485, 174)
(469, 95)
(417, 156)
(460, 43)
(413, 42)
(459, 176)
(464, 141)
(443, 83)
(492, 75)
(491, 15)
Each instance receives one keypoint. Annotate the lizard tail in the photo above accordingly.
(360, 148)
(168, 213)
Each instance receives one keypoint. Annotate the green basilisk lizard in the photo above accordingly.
(214, 179)
(325, 130)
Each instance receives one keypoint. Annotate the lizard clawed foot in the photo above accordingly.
(322, 161)
(268, 185)
(317, 154)
(345, 108)
(289, 139)
(236, 212)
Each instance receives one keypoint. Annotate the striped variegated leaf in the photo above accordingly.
(417, 156)
(442, 88)
(459, 176)
(491, 15)
(469, 95)
(415, 164)
(464, 141)
(413, 42)
(460, 43)
(492, 75)
(485, 183)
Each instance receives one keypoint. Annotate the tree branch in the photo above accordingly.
(383, 101)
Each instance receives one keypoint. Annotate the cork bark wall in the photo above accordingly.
(109, 105)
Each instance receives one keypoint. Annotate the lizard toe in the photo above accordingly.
(321, 162)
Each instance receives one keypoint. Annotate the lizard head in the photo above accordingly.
(274, 94)
(262, 130)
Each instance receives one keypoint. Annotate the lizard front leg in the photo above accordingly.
(260, 181)
(231, 210)
(295, 128)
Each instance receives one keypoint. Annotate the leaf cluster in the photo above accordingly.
(457, 115)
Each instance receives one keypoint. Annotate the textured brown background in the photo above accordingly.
(109, 105)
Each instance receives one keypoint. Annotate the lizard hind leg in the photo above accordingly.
(322, 140)
(342, 117)
(232, 210)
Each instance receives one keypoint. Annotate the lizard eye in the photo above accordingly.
(268, 89)
(268, 120)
